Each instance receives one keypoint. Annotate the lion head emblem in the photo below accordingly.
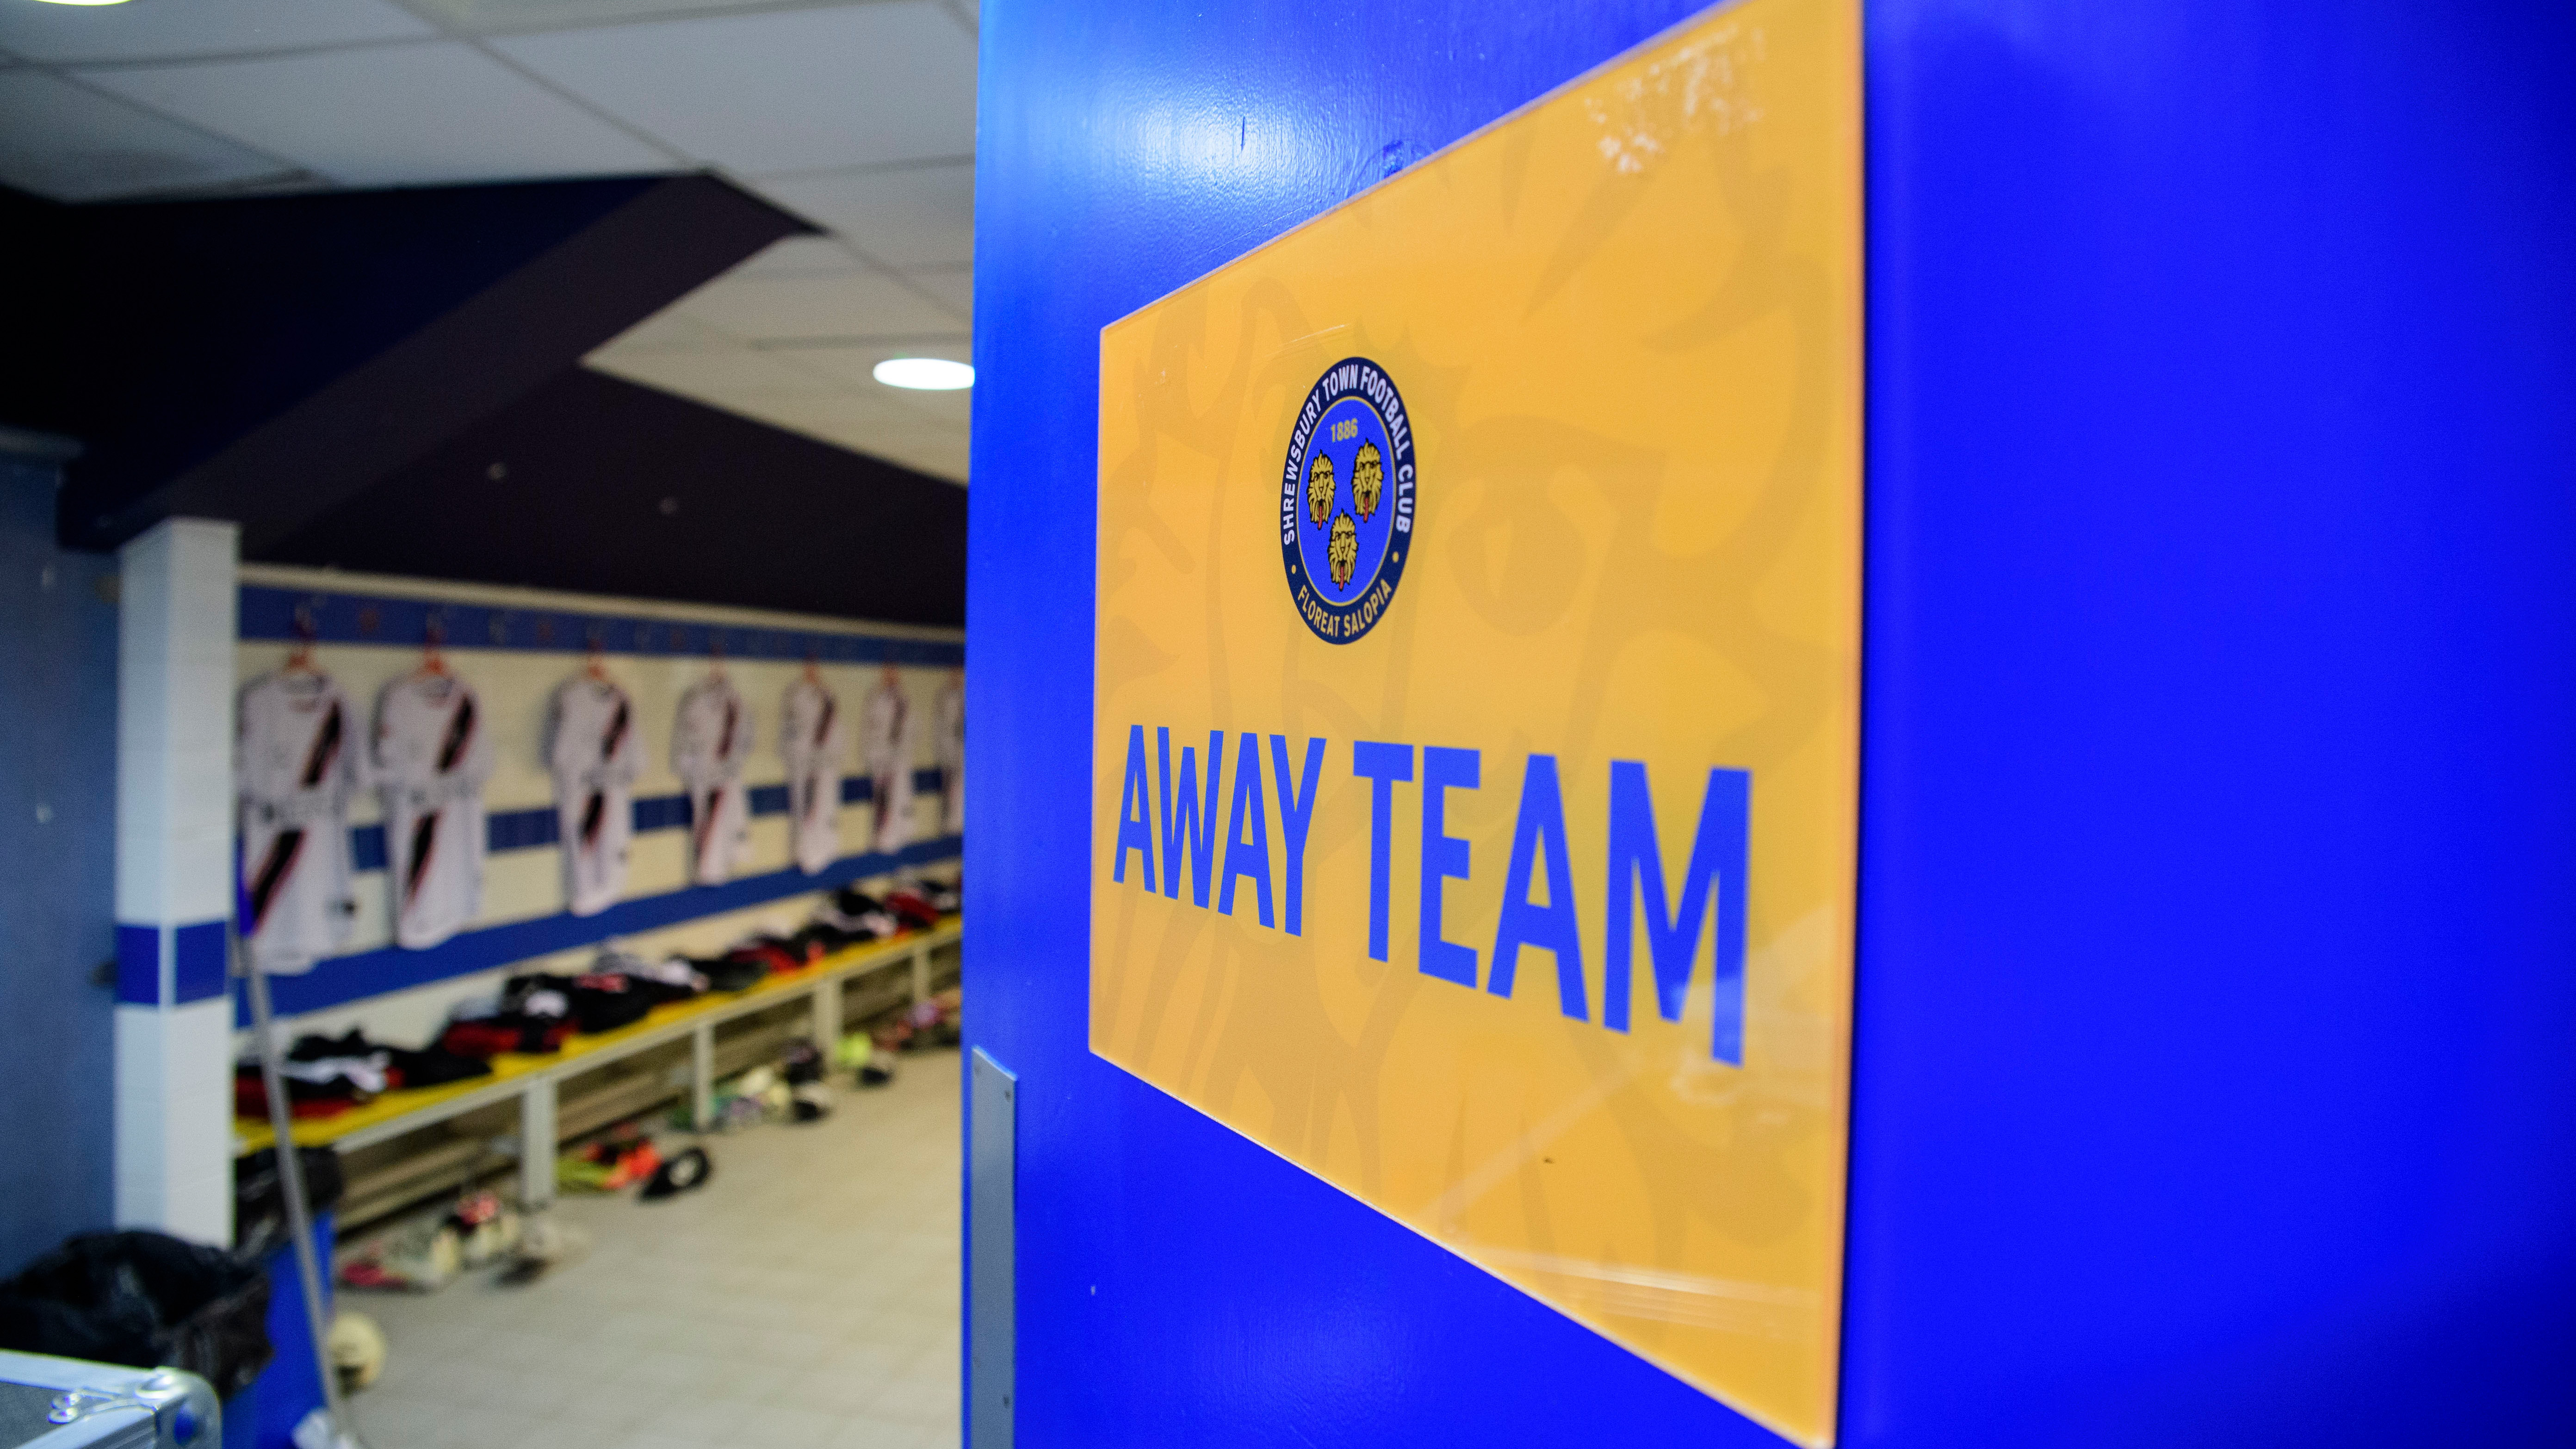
(1368, 481)
(1344, 550)
(1319, 489)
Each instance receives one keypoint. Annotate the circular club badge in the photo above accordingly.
(1346, 500)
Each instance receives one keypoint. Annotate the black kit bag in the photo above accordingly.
(145, 1300)
(259, 1196)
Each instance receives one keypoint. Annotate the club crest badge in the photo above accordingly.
(1347, 500)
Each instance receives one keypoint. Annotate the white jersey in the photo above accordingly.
(948, 737)
(297, 758)
(815, 740)
(594, 753)
(888, 736)
(433, 754)
(709, 746)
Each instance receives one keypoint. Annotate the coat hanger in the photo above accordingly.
(433, 634)
(299, 660)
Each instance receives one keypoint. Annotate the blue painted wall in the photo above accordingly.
(2216, 1060)
(57, 875)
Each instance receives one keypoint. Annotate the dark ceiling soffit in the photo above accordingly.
(608, 487)
(458, 370)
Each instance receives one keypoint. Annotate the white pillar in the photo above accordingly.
(179, 594)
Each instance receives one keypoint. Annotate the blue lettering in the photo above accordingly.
(1134, 831)
(1551, 927)
(1636, 862)
(1383, 766)
(1245, 855)
(1296, 812)
(1194, 827)
(1444, 857)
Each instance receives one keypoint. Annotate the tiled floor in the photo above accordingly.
(806, 1296)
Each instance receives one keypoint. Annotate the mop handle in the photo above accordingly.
(290, 1173)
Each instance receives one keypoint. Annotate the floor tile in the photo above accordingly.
(806, 1297)
(890, 1434)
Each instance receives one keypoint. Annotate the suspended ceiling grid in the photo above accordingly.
(858, 117)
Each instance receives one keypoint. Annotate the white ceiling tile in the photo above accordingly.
(669, 331)
(392, 115)
(913, 217)
(954, 410)
(952, 285)
(841, 416)
(71, 144)
(857, 305)
(714, 373)
(783, 91)
(855, 363)
(849, 420)
(939, 456)
(802, 256)
(502, 17)
(173, 29)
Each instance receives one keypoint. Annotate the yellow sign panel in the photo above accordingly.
(1476, 718)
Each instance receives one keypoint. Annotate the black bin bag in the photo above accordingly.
(146, 1300)
(259, 1196)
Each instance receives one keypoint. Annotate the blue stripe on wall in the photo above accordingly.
(198, 968)
(512, 830)
(199, 971)
(535, 829)
(661, 812)
(138, 965)
(268, 612)
(343, 979)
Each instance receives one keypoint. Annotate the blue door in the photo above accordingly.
(2217, 896)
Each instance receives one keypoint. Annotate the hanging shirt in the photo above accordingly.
(594, 754)
(814, 740)
(709, 746)
(297, 758)
(948, 725)
(886, 747)
(433, 754)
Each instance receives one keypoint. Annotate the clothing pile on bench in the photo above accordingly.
(326, 1076)
(535, 1014)
(852, 917)
(660, 982)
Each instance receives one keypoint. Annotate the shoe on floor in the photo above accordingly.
(686, 1170)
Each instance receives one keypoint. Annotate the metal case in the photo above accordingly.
(63, 1403)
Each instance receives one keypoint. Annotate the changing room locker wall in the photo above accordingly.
(404, 996)
(2212, 1080)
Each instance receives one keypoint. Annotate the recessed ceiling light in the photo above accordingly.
(84, 2)
(931, 374)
